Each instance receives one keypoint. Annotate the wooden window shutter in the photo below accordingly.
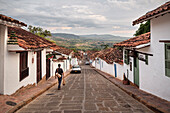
(126, 58)
(167, 60)
(24, 70)
(146, 59)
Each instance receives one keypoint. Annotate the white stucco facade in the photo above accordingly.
(74, 61)
(153, 77)
(43, 62)
(10, 65)
(93, 63)
(3, 49)
(126, 68)
(55, 66)
(107, 68)
(119, 70)
(98, 63)
(67, 64)
(11, 81)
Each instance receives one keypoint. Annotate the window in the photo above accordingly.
(146, 59)
(24, 70)
(126, 57)
(167, 60)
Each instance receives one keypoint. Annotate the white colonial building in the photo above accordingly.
(23, 56)
(147, 57)
(109, 61)
(62, 56)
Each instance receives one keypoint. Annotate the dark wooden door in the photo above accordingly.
(47, 68)
(39, 66)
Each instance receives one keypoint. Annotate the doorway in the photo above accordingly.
(136, 70)
(47, 68)
(38, 66)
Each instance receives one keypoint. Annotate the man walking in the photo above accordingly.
(59, 71)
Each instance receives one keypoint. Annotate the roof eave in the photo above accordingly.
(9, 23)
(149, 18)
(143, 45)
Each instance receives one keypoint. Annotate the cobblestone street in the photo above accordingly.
(88, 92)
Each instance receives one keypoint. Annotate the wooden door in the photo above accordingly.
(39, 66)
(136, 70)
(47, 68)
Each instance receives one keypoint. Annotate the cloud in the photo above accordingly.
(80, 16)
(61, 28)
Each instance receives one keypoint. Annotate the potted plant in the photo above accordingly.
(125, 79)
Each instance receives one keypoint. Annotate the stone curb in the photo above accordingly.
(25, 102)
(138, 98)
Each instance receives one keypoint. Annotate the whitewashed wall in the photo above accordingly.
(74, 61)
(3, 47)
(93, 63)
(43, 62)
(153, 77)
(127, 67)
(12, 82)
(120, 71)
(51, 67)
(68, 64)
(107, 68)
(98, 63)
(64, 66)
(55, 66)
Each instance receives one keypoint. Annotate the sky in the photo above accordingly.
(80, 17)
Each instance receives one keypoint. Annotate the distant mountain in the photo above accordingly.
(85, 42)
(65, 35)
(105, 37)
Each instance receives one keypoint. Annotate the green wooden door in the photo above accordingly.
(136, 71)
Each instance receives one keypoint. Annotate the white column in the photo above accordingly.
(3, 49)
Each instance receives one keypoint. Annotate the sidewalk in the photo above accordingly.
(25, 95)
(155, 103)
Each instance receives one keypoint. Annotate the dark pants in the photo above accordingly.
(59, 82)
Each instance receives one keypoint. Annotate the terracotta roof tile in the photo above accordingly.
(109, 55)
(59, 59)
(112, 55)
(163, 9)
(62, 50)
(135, 41)
(77, 55)
(28, 40)
(9, 19)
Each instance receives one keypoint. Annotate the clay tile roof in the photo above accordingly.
(9, 19)
(135, 41)
(93, 54)
(77, 55)
(28, 40)
(112, 55)
(108, 55)
(163, 9)
(62, 50)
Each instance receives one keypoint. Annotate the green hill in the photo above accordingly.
(85, 42)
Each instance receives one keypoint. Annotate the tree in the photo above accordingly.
(144, 28)
(39, 31)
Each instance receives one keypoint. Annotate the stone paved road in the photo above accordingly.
(87, 92)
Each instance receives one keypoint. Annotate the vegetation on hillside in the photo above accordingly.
(88, 42)
(144, 28)
(39, 31)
